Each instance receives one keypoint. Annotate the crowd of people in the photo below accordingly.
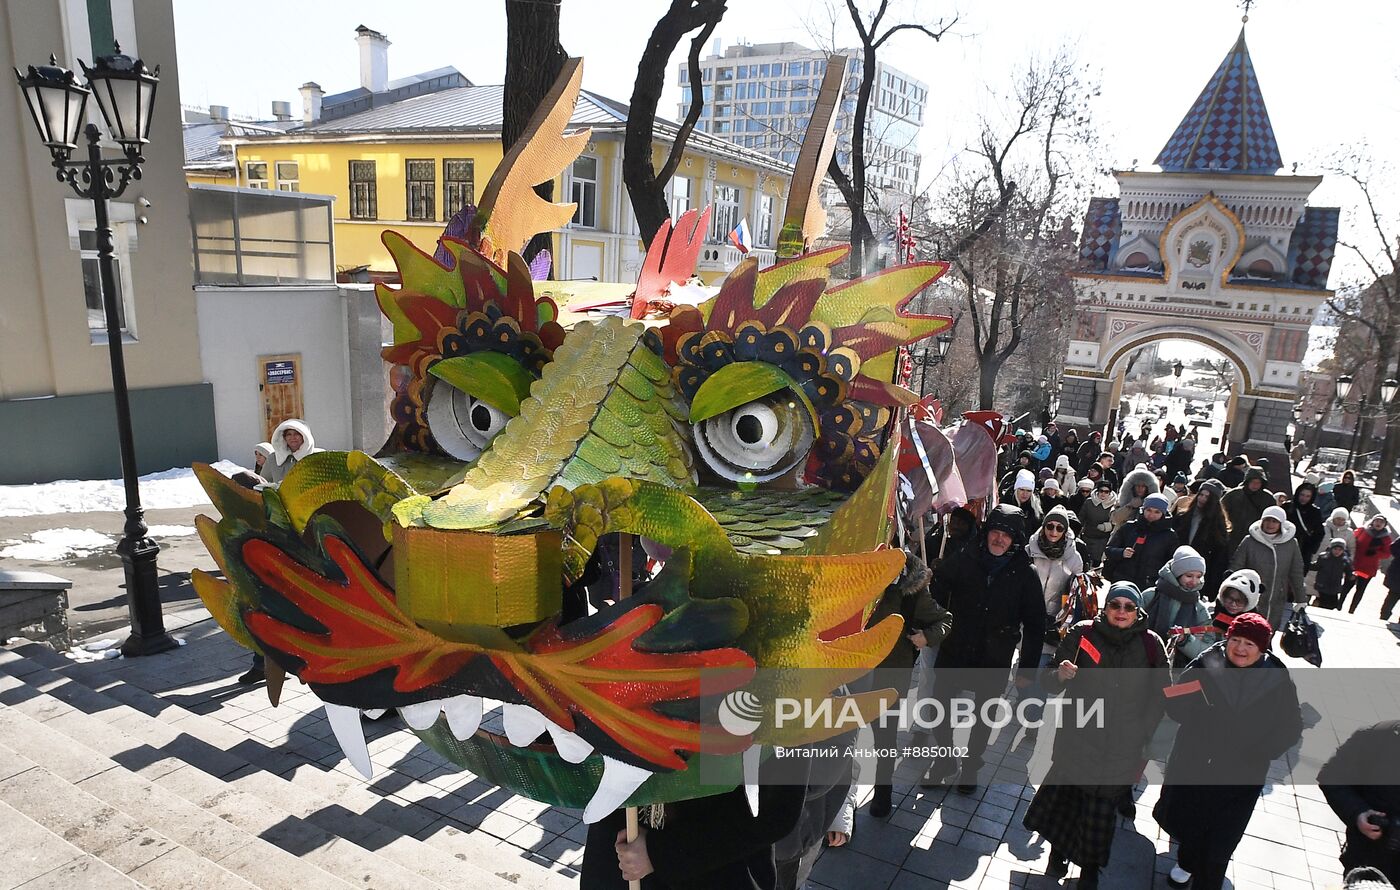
(1201, 562)
(1204, 563)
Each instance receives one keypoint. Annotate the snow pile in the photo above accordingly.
(170, 531)
(55, 544)
(159, 491)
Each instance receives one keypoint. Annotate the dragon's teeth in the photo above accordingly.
(345, 722)
(463, 715)
(523, 724)
(620, 781)
(571, 746)
(751, 761)
(421, 715)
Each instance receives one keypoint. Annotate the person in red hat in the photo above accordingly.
(1238, 711)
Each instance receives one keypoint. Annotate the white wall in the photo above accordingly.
(238, 324)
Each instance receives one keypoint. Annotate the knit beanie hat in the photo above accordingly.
(1104, 485)
(1086, 485)
(1050, 485)
(1025, 479)
(1337, 542)
(1158, 502)
(1186, 559)
(1124, 590)
(1046, 472)
(1275, 513)
(1253, 627)
(1340, 514)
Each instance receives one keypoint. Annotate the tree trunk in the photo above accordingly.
(988, 369)
(646, 187)
(534, 58)
(1390, 453)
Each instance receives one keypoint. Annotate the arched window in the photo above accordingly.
(1137, 260)
(1261, 269)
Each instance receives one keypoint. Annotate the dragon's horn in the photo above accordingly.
(805, 217)
(510, 212)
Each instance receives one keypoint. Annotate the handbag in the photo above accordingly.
(1300, 638)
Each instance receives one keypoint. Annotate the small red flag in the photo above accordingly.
(1089, 649)
(1142, 540)
(1183, 689)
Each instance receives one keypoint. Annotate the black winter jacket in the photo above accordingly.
(1108, 752)
(1361, 777)
(1158, 543)
(1240, 721)
(992, 613)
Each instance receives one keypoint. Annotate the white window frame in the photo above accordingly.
(726, 211)
(122, 216)
(249, 181)
(766, 207)
(288, 183)
(578, 188)
(680, 194)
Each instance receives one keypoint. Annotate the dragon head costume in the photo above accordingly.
(747, 441)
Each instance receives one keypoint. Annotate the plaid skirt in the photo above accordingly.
(1078, 822)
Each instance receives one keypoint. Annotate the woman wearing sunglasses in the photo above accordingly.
(1056, 561)
(1094, 765)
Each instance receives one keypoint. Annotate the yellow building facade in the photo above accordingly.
(405, 166)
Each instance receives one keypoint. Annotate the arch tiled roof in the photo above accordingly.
(1227, 128)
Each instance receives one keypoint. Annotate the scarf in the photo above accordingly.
(1055, 550)
(992, 565)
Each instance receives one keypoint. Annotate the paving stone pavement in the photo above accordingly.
(933, 839)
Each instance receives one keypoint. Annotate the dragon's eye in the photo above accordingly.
(757, 441)
(463, 425)
(472, 399)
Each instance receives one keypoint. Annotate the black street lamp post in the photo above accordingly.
(1344, 385)
(125, 93)
(928, 357)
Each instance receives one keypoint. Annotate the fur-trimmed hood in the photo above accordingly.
(280, 453)
(1139, 476)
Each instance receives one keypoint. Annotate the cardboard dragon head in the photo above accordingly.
(748, 439)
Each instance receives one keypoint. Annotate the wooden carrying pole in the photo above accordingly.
(624, 590)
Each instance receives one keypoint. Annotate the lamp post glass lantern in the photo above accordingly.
(125, 93)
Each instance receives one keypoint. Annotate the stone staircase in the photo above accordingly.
(105, 784)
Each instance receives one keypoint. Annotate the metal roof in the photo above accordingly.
(476, 110)
(203, 148)
(459, 109)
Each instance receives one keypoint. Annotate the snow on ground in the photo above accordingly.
(55, 544)
(159, 491)
(169, 531)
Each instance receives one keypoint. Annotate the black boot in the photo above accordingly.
(1127, 807)
(881, 803)
(1089, 878)
(1059, 864)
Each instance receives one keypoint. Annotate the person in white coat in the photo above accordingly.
(1338, 525)
(291, 442)
(1270, 550)
(1057, 562)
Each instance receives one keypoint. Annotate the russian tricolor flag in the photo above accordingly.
(740, 237)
